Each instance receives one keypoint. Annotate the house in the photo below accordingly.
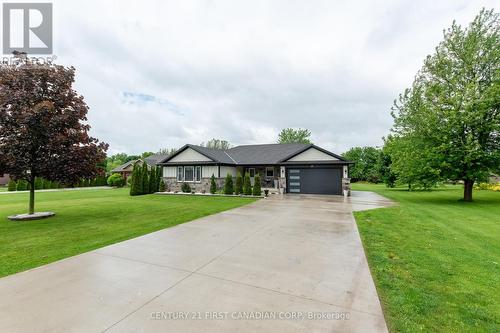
(294, 168)
(125, 170)
(4, 179)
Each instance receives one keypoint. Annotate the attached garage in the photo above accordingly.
(312, 180)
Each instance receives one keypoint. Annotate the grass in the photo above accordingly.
(435, 260)
(90, 219)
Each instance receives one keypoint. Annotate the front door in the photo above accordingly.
(251, 171)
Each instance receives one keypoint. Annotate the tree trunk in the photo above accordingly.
(32, 196)
(468, 184)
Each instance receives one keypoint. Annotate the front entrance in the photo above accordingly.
(251, 172)
(314, 180)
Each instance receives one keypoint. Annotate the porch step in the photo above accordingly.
(272, 190)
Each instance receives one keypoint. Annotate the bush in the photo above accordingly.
(487, 186)
(162, 186)
(136, 181)
(256, 186)
(12, 185)
(47, 184)
(213, 185)
(153, 182)
(228, 185)
(22, 185)
(159, 175)
(38, 183)
(247, 185)
(145, 179)
(186, 188)
(116, 180)
(239, 184)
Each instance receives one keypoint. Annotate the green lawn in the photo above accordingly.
(435, 259)
(90, 219)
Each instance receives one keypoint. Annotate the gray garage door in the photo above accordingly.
(314, 181)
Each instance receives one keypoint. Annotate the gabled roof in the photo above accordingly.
(216, 155)
(262, 154)
(124, 166)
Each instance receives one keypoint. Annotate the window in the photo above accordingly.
(270, 172)
(197, 174)
(188, 173)
(180, 174)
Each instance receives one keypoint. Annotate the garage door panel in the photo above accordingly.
(314, 180)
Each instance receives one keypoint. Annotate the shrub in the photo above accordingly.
(487, 186)
(213, 185)
(22, 185)
(256, 186)
(38, 183)
(162, 186)
(116, 180)
(239, 184)
(247, 185)
(159, 175)
(145, 179)
(136, 181)
(153, 182)
(228, 185)
(12, 185)
(186, 188)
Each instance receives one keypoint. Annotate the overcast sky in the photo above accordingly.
(159, 74)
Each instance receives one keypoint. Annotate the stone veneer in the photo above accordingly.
(346, 186)
(172, 185)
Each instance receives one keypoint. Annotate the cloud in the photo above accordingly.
(164, 73)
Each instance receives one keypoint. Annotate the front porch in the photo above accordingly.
(269, 176)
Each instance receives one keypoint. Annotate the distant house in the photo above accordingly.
(125, 170)
(4, 179)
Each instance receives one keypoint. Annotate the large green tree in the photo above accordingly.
(365, 163)
(447, 125)
(292, 135)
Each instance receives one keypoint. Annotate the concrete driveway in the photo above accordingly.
(283, 264)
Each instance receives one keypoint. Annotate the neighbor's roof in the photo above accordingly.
(253, 154)
(124, 166)
(154, 159)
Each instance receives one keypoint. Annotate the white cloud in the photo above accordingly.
(164, 73)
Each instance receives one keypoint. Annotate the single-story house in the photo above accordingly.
(4, 179)
(125, 170)
(294, 168)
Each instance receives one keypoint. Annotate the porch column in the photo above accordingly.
(282, 180)
(346, 181)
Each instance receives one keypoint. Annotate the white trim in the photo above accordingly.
(192, 167)
(183, 180)
(181, 173)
